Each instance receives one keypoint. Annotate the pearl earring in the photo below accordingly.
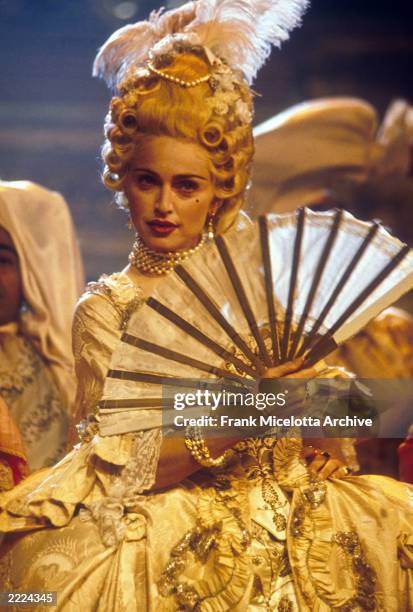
(210, 228)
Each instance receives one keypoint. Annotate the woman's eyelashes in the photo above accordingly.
(184, 186)
(146, 181)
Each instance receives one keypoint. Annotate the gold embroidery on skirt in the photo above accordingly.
(285, 605)
(272, 570)
(364, 575)
(256, 455)
(221, 531)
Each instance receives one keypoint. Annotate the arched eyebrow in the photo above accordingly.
(181, 177)
(178, 177)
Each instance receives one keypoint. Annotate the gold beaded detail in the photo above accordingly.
(195, 443)
(156, 262)
(178, 81)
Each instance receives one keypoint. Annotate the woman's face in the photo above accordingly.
(170, 192)
(11, 294)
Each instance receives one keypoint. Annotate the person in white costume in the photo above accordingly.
(41, 280)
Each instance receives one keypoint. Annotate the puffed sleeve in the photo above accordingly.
(101, 315)
(96, 331)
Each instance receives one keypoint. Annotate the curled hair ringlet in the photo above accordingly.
(233, 183)
(128, 122)
(220, 158)
(113, 161)
(221, 175)
(124, 152)
(229, 185)
(122, 145)
(224, 163)
(109, 127)
(114, 154)
(115, 107)
(212, 134)
(118, 138)
(223, 145)
(235, 139)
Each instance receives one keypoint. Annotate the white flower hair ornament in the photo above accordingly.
(235, 36)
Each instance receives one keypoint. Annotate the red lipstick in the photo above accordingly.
(161, 228)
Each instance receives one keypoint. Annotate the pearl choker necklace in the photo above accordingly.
(156, 262)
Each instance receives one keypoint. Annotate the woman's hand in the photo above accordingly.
(323, 464)
(291, 369)
(271, 382)
(319, 462)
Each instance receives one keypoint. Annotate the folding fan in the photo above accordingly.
(286, 285)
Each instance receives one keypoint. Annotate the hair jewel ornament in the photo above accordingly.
(170, 77)
(226, 96)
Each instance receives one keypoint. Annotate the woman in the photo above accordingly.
(40, 281)
(131, 521)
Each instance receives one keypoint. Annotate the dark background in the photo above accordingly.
(51, 110)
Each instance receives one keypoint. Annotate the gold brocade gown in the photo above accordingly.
(259, 535)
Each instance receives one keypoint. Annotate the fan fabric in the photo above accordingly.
(303, 281)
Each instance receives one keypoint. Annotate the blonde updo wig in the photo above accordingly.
(215, 113)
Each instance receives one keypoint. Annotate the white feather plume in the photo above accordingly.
(128, 48)
(243, 31)
(239, 31)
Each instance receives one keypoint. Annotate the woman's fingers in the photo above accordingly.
(321, 463)
(341, 472)
(331, 469)
(318, 463)
(306, 373)
(328, 467)
(285, 368)
(308, 452)
(292, 369)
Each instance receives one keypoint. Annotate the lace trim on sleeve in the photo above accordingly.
(139, 474)
(113, 512)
